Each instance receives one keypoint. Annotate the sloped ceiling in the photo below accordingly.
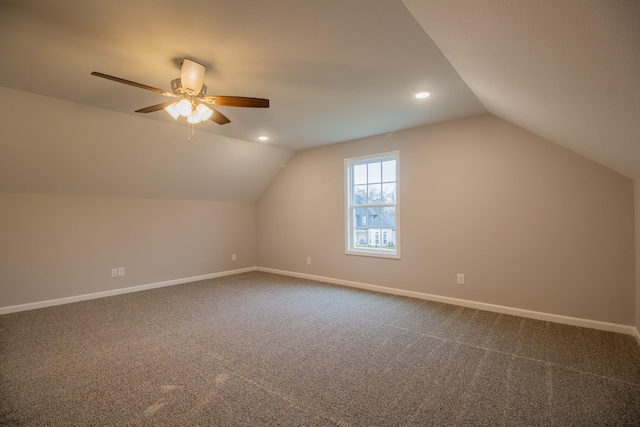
(334, 70)
(566, 70)
(74, 149)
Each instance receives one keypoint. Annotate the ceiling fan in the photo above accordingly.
(191, 94)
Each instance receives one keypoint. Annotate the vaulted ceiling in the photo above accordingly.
(333, 70)
(567, 70)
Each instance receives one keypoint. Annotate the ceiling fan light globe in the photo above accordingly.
(194, 118)
(172, 110)
(204, 112)
(184, 108)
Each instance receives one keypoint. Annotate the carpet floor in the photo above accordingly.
(258, 349)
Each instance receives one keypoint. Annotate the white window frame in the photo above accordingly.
(350, 248)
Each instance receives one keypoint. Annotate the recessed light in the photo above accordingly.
(263, 138)
(422, 95)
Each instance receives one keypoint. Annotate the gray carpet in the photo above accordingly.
(260, 349)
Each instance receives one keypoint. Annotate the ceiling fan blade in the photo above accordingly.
(219, 118)
(237, 101)
(130, 83)
(153, 108)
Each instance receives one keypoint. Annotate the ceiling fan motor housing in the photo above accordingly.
(192, 76)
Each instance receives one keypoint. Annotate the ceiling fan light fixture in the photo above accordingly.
(184, 108)
(192, 76)
(189, 92)
(172, 110)
(204, 112)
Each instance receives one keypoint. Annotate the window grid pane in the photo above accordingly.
(389, 193)
(360, 174)
(389, 171)
(374, 174)
(359, 195)
(375, 194)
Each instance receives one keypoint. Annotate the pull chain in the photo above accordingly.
(191, 131)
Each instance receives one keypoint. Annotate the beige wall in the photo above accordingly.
(62, 246)
(531, 225)
(636, 187)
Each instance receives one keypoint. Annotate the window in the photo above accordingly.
(372, 205)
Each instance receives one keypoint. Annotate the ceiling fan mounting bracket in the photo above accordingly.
(176, 87)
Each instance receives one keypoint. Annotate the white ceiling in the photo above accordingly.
(334, 70)
(567, 70)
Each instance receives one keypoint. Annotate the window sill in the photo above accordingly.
(374, 254)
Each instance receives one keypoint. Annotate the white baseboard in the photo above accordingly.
(556, 318)
(67, 300)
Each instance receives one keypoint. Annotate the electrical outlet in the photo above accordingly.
(120, 271)
(308, 260)
(233, 257)
(460, 279)
(114, 272)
